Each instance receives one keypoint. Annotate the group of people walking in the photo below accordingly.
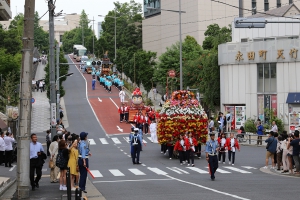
(6, 148)
(38, 85)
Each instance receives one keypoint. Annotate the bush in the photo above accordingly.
(250, 126)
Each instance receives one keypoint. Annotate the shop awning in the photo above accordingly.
(293, 98)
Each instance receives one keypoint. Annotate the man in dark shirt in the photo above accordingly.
(296, 150)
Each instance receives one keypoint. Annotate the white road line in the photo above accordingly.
(238, 170)
(137, 172)
(121, 149)
(149, 138)
(116, 172)
(116, 140)
(96, 173)
(126, 139)
(198, 170)
(157, 171)
(12, 168)
(180, 170)
(144, 141)
(120, 181)
(114, 103)
(207, 188)
(125, 153)
(174, 170)
(222, 171)
(143, 165)
(129, 156)
(103, 141)
(92, 141)
(248, 167)
(99, 99)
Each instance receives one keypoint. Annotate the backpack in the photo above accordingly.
(135, 140)
(228, 118)
(61, 162)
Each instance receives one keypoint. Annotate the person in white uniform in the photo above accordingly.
(122, 95)
(153, 132)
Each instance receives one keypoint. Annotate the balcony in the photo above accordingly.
(5, 11)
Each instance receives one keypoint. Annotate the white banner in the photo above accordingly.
(53, 114)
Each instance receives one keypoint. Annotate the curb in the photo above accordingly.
(273, 172)
(6, 185)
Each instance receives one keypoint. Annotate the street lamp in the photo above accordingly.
(180, 40)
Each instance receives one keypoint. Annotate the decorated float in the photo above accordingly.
(180, 114)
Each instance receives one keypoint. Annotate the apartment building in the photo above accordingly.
(161, 27)
(5, 10)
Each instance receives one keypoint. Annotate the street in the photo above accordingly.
(158, 177)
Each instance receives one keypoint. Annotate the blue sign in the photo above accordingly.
(32, 100)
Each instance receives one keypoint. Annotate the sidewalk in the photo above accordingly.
(269, 170)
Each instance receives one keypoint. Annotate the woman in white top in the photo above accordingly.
(53, 150)
(290, 154)
(222, 145)
(285, 161)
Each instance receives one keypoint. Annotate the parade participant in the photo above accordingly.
(135, 119)
(93, 83)
(130, 138)
(136, 142)
(141, 121)
(121, 84)
(121, 111)
(126, 112)
(190, 152)
(98, 75)
(122, 95)
(211, 155)
(232, 145)
(170, 147)
(93, 73)
(109, 86)
(147, 122)
(198, 149)
(36, 163)
(153, 132)
(83, 160)
(180, 146)
(222, 145)
(101, 80)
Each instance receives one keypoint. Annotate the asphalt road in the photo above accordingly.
(159, 177)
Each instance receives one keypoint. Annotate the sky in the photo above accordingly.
(91, 7)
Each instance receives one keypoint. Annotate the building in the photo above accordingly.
(99, 29)
(161, 28)
(259, 69)
(5, 10)
(61, 25)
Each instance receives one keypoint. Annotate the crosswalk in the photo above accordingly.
(115, 140)
(165, 171)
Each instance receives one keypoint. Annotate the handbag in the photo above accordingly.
(51, 164)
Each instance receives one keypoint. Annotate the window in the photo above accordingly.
(253, 7)
(60, 38)
(266, 5)
(278, 3)
(291, 2)
(266, 78)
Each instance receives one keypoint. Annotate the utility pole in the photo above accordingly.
(52, 69)
(82, 34)
(180, 48)
(134, 66)
(93, 39)
(57, 83)
(23, 139)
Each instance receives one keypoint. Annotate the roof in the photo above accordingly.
(278, 12)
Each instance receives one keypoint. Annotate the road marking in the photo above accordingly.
(116, 140)
(248, 167)
(129, 156)
(119, 129)
(103, 141)
(125, 153)
(126, 139)
(12, 168)
(144, 141)
(238, 170)
(198, 170)
(114, 103)
(96, 173)
(92, 141)
(180, 170)
(157, 171)
(99, 99)
(207, 188)
(116, 172)
(149, 138)
(143, 165)
(174, 170)
(222, 171)
(137, 172)
(121, 149)
(44, 169)
(120, 181)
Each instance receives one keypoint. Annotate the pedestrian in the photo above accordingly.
(83, 160)
(180, 147)
(285, 161)
(9, 140)
(33, 85)
(232, 145)
(41, 85)
(228, 121)
(73, 163)
(146, 124)
(36, 164)
(296, 150)
(153, 132)
(154, 91)
(279, 152)
(259, 132)
(37, 83)
(191, 151)
(48, 141)
(122, 112)
(93, 83)
(53, 150)
(211, 155)
(122, 95)
(62, 163)
(136, 142)
(274, 127)
(290, 154)
(2, 148)
(275, 154)
(271, 149)
(211, 125)
(222, 149)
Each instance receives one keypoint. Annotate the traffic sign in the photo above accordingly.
(32, 100)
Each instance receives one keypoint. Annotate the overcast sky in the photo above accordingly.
(91, 7)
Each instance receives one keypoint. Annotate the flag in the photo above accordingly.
(87, 169)
(209, 169)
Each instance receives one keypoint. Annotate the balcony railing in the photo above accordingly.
(8, 2)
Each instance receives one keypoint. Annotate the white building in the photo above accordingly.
(161, 28)
(5, 10)
(259, 69)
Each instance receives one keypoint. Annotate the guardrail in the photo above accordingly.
(248, 138)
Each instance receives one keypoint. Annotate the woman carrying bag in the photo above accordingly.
(72, 163)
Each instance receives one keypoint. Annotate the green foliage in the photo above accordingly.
(271, 117)
(250, 126)
(9, 63)
(215, 36)
(41, 37)
(8, 91)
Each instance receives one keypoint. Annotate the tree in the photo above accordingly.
(215, 36)
(8, 91)
(41, 37)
